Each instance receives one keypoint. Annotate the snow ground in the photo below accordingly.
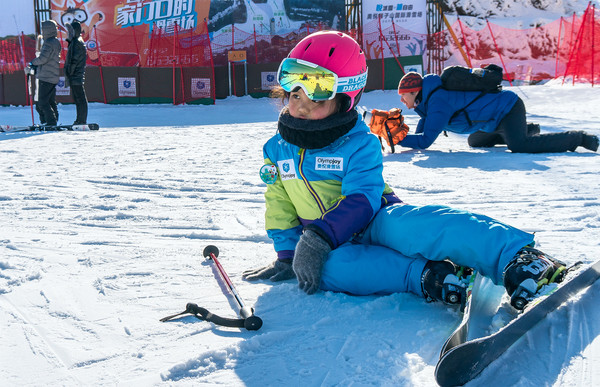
(103, 235)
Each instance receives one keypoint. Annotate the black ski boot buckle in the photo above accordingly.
(524, 293)
(453, 291)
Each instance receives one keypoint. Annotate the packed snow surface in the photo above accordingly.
(103, 233)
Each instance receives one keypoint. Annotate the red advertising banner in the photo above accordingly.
(120, 32)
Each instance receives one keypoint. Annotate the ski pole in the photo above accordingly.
(30, 91)
(248, 320)
(251, 322)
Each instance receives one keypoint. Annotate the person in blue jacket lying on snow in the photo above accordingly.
(336, 225)
(489, 119)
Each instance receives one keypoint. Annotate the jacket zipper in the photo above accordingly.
(307, 184)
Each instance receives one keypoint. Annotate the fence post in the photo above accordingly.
(173, 60)
(255, 49)
(137, 50)
(382, 56)
(465, 43)
(498, 50)
(212, 64)
(558, 47)
(574, 47)
(100, 64)
(230, 66)
(382, 38)
(181, 83)
(28, 81)
(593, 40)
(396, 36)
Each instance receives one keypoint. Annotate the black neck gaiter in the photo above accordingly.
(315, 134)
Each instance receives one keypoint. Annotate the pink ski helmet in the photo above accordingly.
(337, 52)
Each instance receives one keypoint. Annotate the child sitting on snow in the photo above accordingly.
(334, 222)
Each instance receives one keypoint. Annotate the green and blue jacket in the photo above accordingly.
(334, 191)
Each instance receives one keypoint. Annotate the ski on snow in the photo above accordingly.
(463, 358)
(48, 128)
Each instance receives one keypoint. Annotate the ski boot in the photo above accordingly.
(441, 281)
(528, 272)
(590, 142)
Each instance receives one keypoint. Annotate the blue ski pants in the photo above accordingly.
(390, 255)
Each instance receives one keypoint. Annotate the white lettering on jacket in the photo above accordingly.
(329, 164)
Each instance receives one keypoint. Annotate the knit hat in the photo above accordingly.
(410, 82)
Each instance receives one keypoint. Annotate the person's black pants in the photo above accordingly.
(81, 103)
(481, 139)
(46, 104)
(513, 132)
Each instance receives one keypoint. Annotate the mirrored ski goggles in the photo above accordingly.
(318, 83)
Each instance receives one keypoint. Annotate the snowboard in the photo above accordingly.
(462, 359)
(48, 128)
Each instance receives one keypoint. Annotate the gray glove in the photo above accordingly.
(309, 258)
(276, 271)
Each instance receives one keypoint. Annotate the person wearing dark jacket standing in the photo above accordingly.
(489, 119)
(75, 71)
(46, 67)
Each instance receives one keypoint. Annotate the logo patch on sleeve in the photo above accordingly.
(287, 169)
(268, 173)
(329, 164)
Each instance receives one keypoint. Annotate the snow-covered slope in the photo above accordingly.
(102, 235)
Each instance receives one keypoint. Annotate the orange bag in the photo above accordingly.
(389, 126)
